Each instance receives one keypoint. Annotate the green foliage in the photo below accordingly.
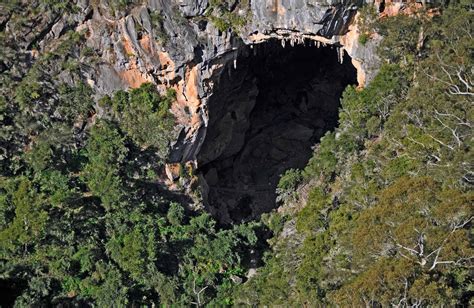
(388, 196)
(388, 217)
(35, 100)
(311, 217)
(270, 285)
(27, 226)
(82, 225)
(75, 101)
(401, 34)
(408, 241)
(366, 22)
(288, 184)
(365, 111)
(112, 290)
(364, 38)
(324, 163)
(274, 221)
(56, 5)
(145, 117)
(175, 214)
(27, 93)
(105, 151)
(225, 17)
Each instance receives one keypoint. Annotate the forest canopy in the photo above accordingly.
(385, 218)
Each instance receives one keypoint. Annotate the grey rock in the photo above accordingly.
(191, 8)
(252, 272)
(236, 279)
(136, 45)
(212, 177)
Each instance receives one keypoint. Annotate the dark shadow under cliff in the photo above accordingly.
(266, 112)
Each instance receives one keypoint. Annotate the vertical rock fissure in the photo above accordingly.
(264, 117)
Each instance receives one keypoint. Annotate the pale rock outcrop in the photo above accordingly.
(173, 43)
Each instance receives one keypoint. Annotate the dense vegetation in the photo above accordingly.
(83, 216)
(388, 205)
(89, 222)
(382, 214)
(228, 15)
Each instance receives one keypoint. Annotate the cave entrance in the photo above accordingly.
(268, 109)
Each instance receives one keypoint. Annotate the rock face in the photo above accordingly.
(174, 43)
(171, 44)
(307, 17)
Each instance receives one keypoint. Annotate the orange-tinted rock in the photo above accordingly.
(127, 46)
(133, 76)
(173, 171)
(145, 43)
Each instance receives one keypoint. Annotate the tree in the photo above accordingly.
(105, 151)
(145, 117)
(29, 222)
(416, 234)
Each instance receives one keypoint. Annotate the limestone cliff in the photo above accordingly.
(175, 43)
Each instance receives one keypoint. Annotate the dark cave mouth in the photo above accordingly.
(265, 115)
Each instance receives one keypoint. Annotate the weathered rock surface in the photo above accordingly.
(173, 43)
